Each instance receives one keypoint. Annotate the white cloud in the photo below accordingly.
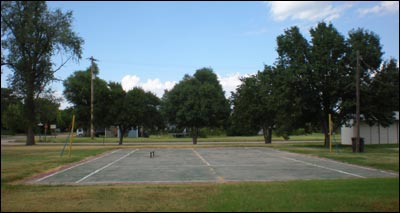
(128, 82)
(305, 10)
(382, 8)
(155, 86)
(229, 83)
(63, 102)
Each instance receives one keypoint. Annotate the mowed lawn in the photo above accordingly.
(21, 162)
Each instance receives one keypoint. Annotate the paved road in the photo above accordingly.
(10, 140)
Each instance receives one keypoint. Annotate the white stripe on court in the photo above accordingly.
(77, 165)
(212, 170)
(201, 157)
(333, 161)
(311, 164)
(98, 170)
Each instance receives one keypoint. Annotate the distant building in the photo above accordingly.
(375, 134)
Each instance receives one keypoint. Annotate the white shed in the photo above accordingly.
(375, 134)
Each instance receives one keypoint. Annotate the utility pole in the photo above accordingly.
(91, 96)
(358, 102)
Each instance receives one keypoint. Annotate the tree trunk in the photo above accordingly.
(30, 136)
(30, 115)
(325, 129)
(195, 132)
(121, 134)
(270, 135)
(326, 139)
(267, 132)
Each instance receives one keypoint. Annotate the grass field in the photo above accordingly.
(19, 162)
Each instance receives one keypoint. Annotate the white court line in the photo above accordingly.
(76, 165)
(98, 170)
(334, 161)
(219, 178)
(311, 164)
(201, 158)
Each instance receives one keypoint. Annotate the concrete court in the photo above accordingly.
(181, 165)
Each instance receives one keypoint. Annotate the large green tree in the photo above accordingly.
(64, 118)
(9, 97)
(256, 102)
(12, 118)
(381, 98)
(321, 74)
(31, 35)
(13, 108)
(116, 112)
(135, 108)
(295, 86)
(195, 102)
(372, 107)
(77, 91)
(47, 110)
(328, 77)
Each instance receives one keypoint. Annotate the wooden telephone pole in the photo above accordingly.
(91, 96)
(358, 102)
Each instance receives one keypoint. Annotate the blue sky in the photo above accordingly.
(154, 44)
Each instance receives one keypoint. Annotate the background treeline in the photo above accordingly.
(308, 81)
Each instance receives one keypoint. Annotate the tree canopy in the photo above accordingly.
(32, 34)
(320, 74)
(256, 102)
(77, 91)
(195, 102)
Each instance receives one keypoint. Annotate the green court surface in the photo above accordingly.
(181, 165)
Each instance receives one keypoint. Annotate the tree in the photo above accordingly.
(373, 107)
(293, 86)
(115, 115)
(195, 102)
(381, 98)
(64, 118)
(32, 34)
(12, 110)
(321, 76)
(61, 124)
(136, 108)
(47, 110)
(236, 128)
(256, 102)
(8, 97)
(12, 117)
(77, 91)
(328, 76)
